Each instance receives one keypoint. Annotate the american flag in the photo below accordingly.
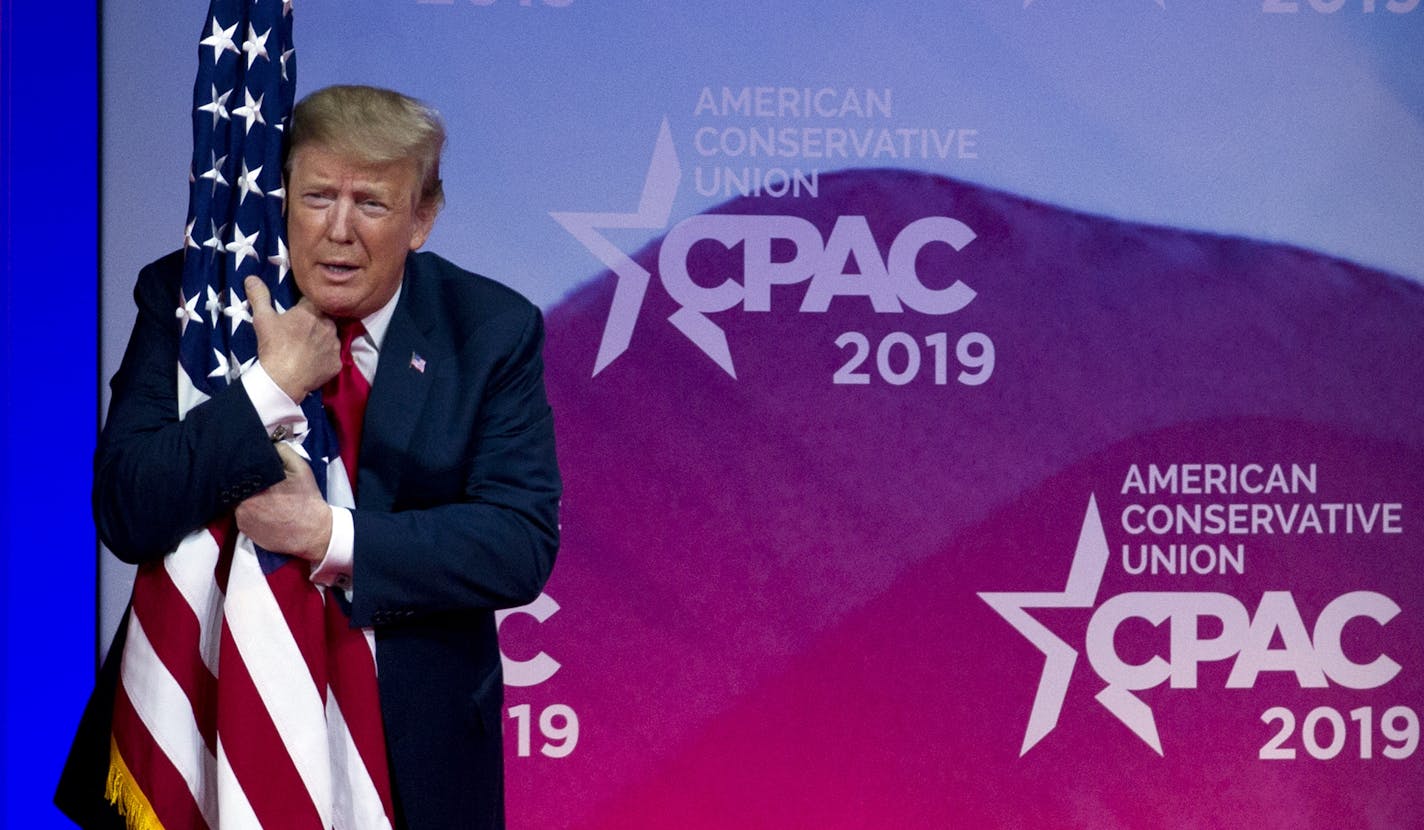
(245, 697)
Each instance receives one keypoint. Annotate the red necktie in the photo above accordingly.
(344, 397)
(351, 670)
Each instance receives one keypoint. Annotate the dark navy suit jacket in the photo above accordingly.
(456, 515)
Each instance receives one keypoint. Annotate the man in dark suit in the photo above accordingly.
(457, 488)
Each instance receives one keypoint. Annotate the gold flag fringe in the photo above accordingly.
(123, 792)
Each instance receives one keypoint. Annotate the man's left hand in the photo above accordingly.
(289, 517)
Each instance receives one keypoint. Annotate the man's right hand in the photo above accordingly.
(299, 348)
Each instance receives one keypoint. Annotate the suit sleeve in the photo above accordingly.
(492, 546)
(158, 478)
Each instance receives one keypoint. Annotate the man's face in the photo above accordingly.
(349, 227)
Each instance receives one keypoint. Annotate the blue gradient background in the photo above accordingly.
(48, 370)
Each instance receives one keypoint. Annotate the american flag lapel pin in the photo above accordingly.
(417, 363)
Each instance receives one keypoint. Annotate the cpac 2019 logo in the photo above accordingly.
(890, 285)
(1315, 657)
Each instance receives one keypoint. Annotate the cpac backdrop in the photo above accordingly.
(972, 415)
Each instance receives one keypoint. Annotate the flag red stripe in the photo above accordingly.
(155, 775)
(172, 629)
(224, 532)
(229, 709)
(255, 752)
(300, 603)
(353, 682)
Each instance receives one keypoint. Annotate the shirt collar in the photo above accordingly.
(379, 320)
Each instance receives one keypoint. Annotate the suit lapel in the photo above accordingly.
(397, 397)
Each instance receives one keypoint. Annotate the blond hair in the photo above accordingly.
(374, 126)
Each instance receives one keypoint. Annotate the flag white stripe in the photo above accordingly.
(164, 710)
(267, 651)
(237, 812)
(338, 484)
(358, 805)
(280, 673)
(192, 568)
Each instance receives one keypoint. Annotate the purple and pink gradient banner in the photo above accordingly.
(881, 485)
(1164, 504)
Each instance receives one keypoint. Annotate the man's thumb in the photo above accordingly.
(291, 460)
(258, 297)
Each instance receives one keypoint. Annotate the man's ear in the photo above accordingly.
(424, 221)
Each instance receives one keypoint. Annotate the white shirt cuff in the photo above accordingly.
(281, 416)
(335, 567)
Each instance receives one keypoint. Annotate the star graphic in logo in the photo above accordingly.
(654, 208)
(1090, 559)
